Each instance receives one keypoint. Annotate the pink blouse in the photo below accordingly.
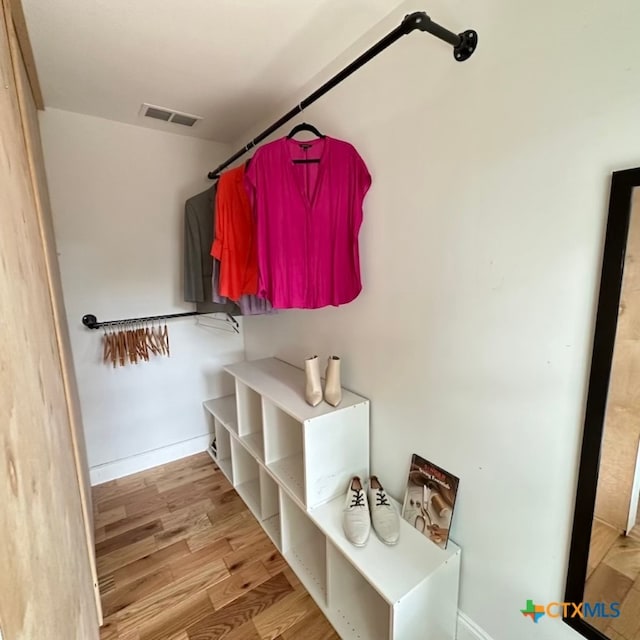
(308, 218)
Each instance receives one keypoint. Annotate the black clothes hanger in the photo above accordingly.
(305, 126)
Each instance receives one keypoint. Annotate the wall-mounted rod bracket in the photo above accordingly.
(464, 44)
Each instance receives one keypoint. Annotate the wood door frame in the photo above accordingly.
(46, 583)
(21, 53)
(20, 26)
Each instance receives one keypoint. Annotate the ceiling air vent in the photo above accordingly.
(169, 115)
(160, 114)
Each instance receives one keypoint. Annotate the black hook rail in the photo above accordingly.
(464, 44)
(91, 322)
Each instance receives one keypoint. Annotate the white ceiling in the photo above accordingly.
(231, 61)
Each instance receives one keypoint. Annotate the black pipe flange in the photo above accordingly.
(468, 44)
(90, 321)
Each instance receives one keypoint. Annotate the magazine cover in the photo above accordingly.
(429, 500)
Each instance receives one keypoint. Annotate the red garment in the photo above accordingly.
(235, 238)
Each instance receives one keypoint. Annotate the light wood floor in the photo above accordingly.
(614, 576)
(181, 558)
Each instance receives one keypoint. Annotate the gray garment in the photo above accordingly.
(199, 212)
(250, 305)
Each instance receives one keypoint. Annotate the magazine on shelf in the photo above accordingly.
(429, 500)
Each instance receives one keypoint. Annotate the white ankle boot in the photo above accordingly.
(332, 388)
(313, 388)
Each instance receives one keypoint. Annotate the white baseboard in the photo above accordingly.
(469, 630)
(126, 466)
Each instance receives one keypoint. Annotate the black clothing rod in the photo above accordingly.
(91, 321)
(464, 44)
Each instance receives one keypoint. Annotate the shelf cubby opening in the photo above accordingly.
(270, 507)
(273, 527)
(222, 452)
(284, 449)
(269, 495)
(246, 477)
(249, 404)
(225, 410)
(304, 547)
(356, 609)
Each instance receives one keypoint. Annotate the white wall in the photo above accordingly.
(481, 251)
(118, 194)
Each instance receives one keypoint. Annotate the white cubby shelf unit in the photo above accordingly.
(291, 463)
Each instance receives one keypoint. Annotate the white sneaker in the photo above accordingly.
(356, 520)
(385, 518)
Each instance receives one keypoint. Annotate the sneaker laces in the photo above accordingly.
(381, 499)
(358, 499)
